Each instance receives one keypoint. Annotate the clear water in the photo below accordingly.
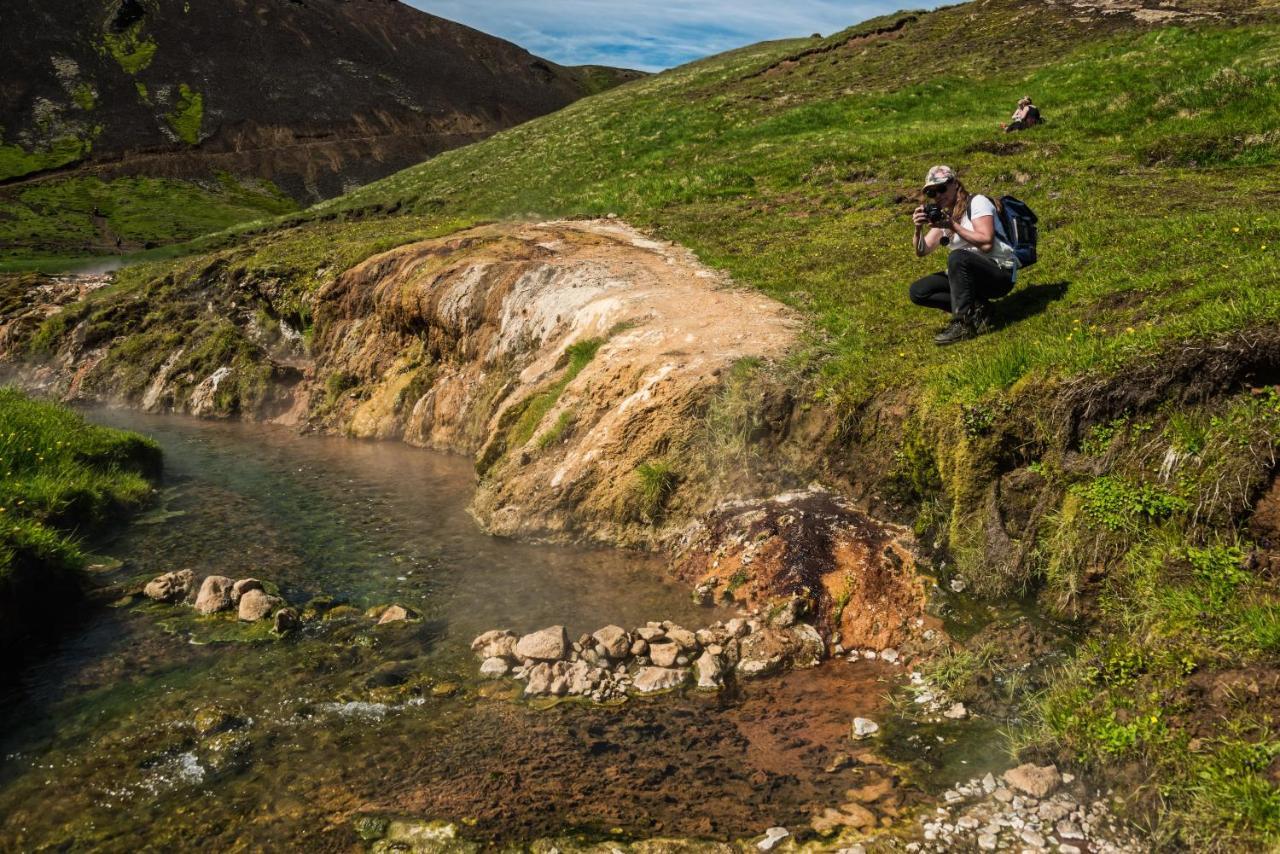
(98, 749)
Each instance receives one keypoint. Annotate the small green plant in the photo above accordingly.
(656, 480)
(337, 384)
(1115, 504)
(562, 427)
(1220, 569)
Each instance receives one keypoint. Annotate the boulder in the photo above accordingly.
(494, 668)
(764, 653)
(663, 653)
(495, 644)
(1036, 781)
(651, 679)
(243, 586)
(257, 605)
(215, 594)
(170, 587)
(685, 638)
(286, 621)
(640, 647)
(550, 644)
(615, 640)
(709, 672)
(397, 614)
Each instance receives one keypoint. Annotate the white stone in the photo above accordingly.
(988, 841)
(864, 728)
(957, 712)
(615, 640)
(772, 837)
(494, 668)
(889, 655)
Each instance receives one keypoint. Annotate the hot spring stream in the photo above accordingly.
(99, 751)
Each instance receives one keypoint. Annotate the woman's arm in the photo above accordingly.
(983, 233)
(925, 241)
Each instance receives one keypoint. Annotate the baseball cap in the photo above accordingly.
(939, 175)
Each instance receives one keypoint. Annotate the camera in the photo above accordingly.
(937, 216)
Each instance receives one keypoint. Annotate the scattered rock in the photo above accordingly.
(550, 644)
(243, 586)
(257, 605)
(615, 640)
(495, 644)
(864, 728)
(1036, 781)
(286, 621)
(397, 614)
(651, 679)
(215, 594)
(539, 679)
(663, 653)
(772, 837)
(170, 587)
(494, 668)
(640, 647)
(709, 672)
(686, 640)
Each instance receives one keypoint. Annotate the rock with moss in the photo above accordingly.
(170, 587)
(215, 594)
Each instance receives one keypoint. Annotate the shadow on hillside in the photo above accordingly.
(1028, 301)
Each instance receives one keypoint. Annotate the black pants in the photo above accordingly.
(970, 278)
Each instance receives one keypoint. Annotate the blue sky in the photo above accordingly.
(651, 35)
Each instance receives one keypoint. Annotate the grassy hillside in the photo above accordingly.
(60, 479)
(1103, 450)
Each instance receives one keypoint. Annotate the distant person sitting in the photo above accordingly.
(981, 265)
(1027, 115)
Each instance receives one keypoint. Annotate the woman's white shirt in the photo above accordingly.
(1001, 252)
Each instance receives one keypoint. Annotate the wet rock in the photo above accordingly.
(663, 653)
(848, 815)
(495, 644)
(243, 586)
(559, 686)
(397, 614)
(257, 605)
(764, 653)
(212, 720)
(651, 679)
(1036, 781)
(550, 644)
(737, 628)
(389, 674)
(615, 640)
(864, 728)
(787, 615)
(226, 752)
(170, 587)
(772, 837)
(538, 679)
(215, 594)
(286, 621)
(709, 672)
(494, 668)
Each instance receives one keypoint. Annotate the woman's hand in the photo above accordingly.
(919, 217)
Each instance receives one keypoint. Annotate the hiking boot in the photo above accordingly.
(959, 329)
(981, 318)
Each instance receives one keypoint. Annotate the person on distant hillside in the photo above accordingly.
(981, 265)
(1026, 115)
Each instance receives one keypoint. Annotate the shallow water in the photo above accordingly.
(99, 751)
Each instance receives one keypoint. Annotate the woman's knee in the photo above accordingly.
(922, 291)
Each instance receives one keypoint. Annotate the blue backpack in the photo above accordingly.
(1019, 223)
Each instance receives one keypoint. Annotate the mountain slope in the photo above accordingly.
(314, 97)
(1110, 449)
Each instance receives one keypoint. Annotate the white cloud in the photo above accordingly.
(652, 35)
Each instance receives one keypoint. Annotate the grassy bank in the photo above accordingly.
(60, 480)
(1103, 450)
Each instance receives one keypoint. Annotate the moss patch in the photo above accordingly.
(188, 115)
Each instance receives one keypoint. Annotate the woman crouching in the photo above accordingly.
(981, 265)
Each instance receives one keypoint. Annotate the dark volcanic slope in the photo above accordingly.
(313, 94)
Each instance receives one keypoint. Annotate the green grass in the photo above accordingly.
(56, 216)
(16, 161)
(60, 479)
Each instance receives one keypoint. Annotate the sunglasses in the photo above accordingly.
(936, 190)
